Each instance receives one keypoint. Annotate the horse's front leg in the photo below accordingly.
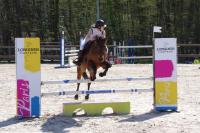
(105, 65)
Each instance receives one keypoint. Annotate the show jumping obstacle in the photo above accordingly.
(29, 80)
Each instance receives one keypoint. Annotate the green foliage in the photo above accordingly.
(125, 19)
(196, 61)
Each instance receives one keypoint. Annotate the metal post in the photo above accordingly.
(115, 49)
(98, 13)
(62, 52)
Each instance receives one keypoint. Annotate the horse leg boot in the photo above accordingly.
(79, 59)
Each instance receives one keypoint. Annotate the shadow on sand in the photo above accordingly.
(60, 123)
(146, 116)
(54, 123)
(11, 121)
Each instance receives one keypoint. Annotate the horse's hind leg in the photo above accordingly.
(87, 95)
(79, 74)
(92, 70)
(105, 65)
(85, 76)
(76, 96)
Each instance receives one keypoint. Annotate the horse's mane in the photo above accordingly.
(100, 41)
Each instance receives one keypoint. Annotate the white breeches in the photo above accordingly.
(82, 44)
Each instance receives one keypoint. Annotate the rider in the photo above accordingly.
(96, 31)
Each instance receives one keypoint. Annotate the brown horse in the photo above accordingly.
(95, 56)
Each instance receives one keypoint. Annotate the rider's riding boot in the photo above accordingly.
(79, 59)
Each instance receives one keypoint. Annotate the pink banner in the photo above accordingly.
(23, 103)
(163, 68)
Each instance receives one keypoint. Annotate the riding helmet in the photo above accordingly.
(100, 23)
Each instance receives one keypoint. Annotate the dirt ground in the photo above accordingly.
(142, 119)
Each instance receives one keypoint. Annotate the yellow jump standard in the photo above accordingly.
(96, 108)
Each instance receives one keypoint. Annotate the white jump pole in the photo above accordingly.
(29, 77)
(98, 80)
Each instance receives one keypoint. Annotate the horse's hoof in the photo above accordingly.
(101, 74)
(76, 97)
(86, 97)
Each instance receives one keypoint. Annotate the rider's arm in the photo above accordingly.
(88, 37)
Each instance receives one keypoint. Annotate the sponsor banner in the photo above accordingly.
(164, 68)
(165, 73)
(23, 102)
(28, 76)
(166, 93)
(165, 59)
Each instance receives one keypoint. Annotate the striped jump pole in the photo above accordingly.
(28, 77)
(60, 93)
(71, 51)
(68, 55)
(71, 54)
(98, 80)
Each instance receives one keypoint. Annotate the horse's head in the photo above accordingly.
(102, 49)
(97, 49)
